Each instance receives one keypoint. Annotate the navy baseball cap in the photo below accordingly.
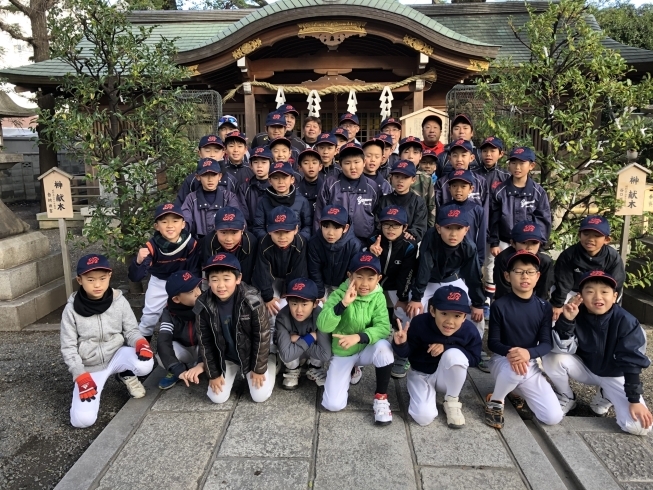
(596, 223)
(375, 141)
(261, 152)
(492, 141)
(405, 167)
(387, 139)
(429, 152)
(307, 152)
(222, 259)
(597, 275)
(350, 149)
(229, 218)
(282, 218)
(452, 215)
(434, 118)
(464, 175)
(287, 109)
(167, 208)
(206, 165)
(410, 141)
(335, 213)
(522, 153)
(281, 140)
(281, 168)
(450, 298)
(342, 132)
(462, 118)
(92, 262)
(302, 288)
(525, 231)
(461, 143)
(328, 138)
(365, 260)
(235, 135)
(394, 213)
(230, 120)
(390, 120)
(520, 254)
(181, 282)
(349, 117)
(275, 119)
(210, 139)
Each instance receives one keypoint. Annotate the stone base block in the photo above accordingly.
(23, 248)
(45, 223)
(18, 313)
(27, 277)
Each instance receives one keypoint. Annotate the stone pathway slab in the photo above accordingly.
(259, 474)
(194, 399)
(465, 479)
(628, 457)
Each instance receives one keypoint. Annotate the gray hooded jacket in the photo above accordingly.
(89, 343)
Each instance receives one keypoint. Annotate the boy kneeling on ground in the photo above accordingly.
(605, 346)
(96, 324)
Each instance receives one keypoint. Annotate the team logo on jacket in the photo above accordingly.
(454, 296)
(168, 206)
(525, 203)
(495, 184)
(187, 276)
(299, 286)
(363, 201)
(529, 228)
(454, 213)
(280, 218)
(366, 258)
(93, 260)
(392, 211)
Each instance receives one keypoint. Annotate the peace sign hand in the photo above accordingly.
(401, 335)
(350, 294)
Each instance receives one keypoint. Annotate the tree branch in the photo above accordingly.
(14, 31)
(23, 8)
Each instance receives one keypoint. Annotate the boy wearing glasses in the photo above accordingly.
(519, 333)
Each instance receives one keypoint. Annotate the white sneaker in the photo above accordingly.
(356, 375)
(134, 386)
(453, 409)
(291, 379)
(566, 404)
(317, 374)
(599, 404)
(382, 413)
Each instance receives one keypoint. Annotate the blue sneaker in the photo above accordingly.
(399, 368)
(168, 382)
(486, 312)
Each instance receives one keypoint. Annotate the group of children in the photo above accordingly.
(312, 249)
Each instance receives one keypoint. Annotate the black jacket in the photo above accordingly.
(310, 190)
(435, 265)
(187, 257)
(174, 328)
(398, 264)
(245, 253)
(328, 262)
(415, 208)
(241, 173)
(543, 285)
(383, 186)
(493, 176)
(295, 201)
(252, 332)
(298, 145)
(274, 263)
(574, 261)
(192, 183)
(423, 331)
(610, 345)
(249, 195)
(477, 220)
(443, 165)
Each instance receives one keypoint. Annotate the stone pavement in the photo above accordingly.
(178, 439)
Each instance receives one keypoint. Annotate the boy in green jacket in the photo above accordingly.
(357, 316)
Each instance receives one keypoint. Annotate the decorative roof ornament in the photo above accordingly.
(281, 97)
(351, 102)
(331, 33)
(247, 48)
(418, 45)
(313, 101)
(386, 102)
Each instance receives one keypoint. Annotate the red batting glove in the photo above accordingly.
(143, 350)
(87, 387)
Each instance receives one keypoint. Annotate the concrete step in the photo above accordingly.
(22, 311)
(27, 277)
(23, 248)
(639, 304)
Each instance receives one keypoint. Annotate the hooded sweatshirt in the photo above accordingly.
(89, 342)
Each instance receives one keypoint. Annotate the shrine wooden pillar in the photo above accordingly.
(250, 116)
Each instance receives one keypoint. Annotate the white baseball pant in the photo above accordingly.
(432, 287)
(448, 378)
(84, 414)
(561, 367)
(259, 395)
(156, 299)
(336, 387)
(532, 386)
